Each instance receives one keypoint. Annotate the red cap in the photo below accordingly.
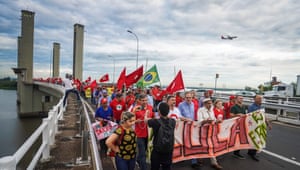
(231, 97)
(103, 100)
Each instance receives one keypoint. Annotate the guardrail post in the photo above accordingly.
(51, 125)
(278, 110)
(46, 151)
(8, 162)
(82, 122)
(84, 145)
(284, 111)
(55, 122)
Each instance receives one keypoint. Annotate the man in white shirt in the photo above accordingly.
(68, 84)
(174, 111)
(206, 115)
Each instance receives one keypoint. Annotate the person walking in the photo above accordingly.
(123, 143)
(256, 105)
(104, 114)
(238, 110)
(142, 110)
(228, 105)
(186, 109)
(206, 116)
(118, 106)
(69, 87)
(163, 142)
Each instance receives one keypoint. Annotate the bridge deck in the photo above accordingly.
(67, 146)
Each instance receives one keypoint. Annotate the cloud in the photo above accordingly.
(172, 34)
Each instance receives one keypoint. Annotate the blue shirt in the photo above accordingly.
(253, 107)
(187, 110)
(104, 114)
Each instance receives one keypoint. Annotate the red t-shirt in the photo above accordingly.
(178, 100)
(118, 108)
(227, 107)
(219, 113)
(196, 106)
(141, 128)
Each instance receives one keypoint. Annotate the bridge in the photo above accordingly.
(35, 98)
(68, 141)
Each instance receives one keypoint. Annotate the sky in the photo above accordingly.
(173, 34)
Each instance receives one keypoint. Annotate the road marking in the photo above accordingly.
(281, 157)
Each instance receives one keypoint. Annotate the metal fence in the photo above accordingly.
(283, 107)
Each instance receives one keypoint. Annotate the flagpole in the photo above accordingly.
(114, 68)
(146, 63)
(174, 70)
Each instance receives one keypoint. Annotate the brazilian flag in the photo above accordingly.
(150, 77)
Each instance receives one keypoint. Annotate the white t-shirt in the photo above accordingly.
(175, 113)
(68, 84)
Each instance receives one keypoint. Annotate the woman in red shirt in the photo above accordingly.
(218, 110)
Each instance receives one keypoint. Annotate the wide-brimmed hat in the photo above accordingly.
(206, 100)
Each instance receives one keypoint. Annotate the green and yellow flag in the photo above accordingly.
(149, 77)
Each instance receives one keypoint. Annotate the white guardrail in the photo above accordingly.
(48, 129)
(283, 108)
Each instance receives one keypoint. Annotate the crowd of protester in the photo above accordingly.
(137, 109)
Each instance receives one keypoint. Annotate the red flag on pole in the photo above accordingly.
(88, 79)
(104, 78)
(134, 76)
(176, 84)
(93, 84)
(121, 80)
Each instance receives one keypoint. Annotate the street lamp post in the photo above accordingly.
(137, 47)
(114, 67)
(217, 76)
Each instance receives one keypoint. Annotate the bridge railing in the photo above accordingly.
(283, 108)
(48, 129)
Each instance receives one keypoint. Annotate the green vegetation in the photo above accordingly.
(8, 84)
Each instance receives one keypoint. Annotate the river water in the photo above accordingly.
(13, 130)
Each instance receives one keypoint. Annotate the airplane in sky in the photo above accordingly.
(228, 37)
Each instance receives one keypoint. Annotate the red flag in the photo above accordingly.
(88, 79)
(121, 80)
(93, 84)
(104, 78)
(176, 84)
(134, 76)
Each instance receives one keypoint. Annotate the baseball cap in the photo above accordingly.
(231, 97)
(103, 100)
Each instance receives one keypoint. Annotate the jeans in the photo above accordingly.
(67, 93)
(123, 164)
(194, 161)
(142, 147)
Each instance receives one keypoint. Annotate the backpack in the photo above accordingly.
(164, 141)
